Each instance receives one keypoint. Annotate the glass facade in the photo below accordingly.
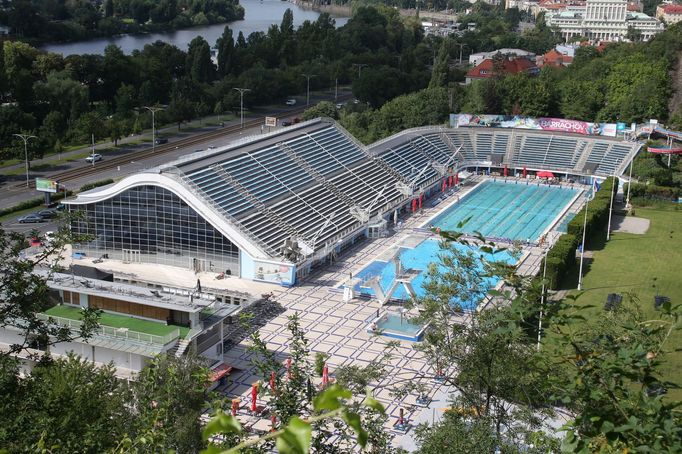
(150, 224)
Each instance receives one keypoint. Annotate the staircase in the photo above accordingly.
(421, 151)
(331, 187)
(181, 347)
(448, 141)
(271, 215)
(583, 158)
(511, 148)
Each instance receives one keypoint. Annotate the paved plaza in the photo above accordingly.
(339, 329)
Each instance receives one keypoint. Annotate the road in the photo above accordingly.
(14, 192)
(114, 165)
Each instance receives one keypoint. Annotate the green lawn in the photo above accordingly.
(120, 321)
(645, 265)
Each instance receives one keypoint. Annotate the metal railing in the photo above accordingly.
(110, 332)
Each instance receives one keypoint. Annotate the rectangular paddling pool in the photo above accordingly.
(521, 210)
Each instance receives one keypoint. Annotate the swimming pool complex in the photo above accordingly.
(518, 211)
(397, 326)
(418, 258)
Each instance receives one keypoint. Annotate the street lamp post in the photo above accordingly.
(241, 104)
(307, 96)
(582, 250)
(613, 189)
(542, 297)
(360, 66)
(153, 110)
(25, 138)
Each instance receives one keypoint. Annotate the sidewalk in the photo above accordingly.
(145, 136)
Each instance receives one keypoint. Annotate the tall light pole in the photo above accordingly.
(153, 110)
(582, 250)
(307, 95)
(461, 46)
(627, 198)
(25, 138)
(542, 297)
(241, 104)
(360, 66)
(613, 189)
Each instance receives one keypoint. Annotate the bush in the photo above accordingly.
(560, 258)
(597, 210)
(320, 359)
(95, 184)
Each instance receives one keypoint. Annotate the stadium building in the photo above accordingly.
(189, 244)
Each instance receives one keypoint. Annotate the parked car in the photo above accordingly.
(286, 123)
(94, 157)
(30, 218)
(48, 214)
(160, 141)
(297, 120)
(290, 102)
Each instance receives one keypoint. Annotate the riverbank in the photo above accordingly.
(336, 10)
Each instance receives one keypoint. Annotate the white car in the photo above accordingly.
(291, 102)
(49, 237)
(94, 157)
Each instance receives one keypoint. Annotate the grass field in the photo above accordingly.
(646, 265)
(119, 321)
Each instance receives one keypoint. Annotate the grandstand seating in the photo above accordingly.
(314, 179)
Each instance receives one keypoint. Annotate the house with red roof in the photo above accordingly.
(554, 58)
(509, 65)
(669, 13)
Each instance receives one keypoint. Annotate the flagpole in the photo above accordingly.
(582, 250)
(627, 198)
(613, 189)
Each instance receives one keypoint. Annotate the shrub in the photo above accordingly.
(320, 359)
(95, 184)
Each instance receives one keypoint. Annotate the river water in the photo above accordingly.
(258, 16)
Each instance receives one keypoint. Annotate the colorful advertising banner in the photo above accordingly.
(45, 185)
(539, 124)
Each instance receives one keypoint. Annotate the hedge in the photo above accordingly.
(95, 184)
(561, 257)
(32, 203)
(653, 191)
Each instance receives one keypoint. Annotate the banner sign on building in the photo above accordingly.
(45, 185)
(539, 124)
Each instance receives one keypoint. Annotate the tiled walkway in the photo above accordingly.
(338, 328)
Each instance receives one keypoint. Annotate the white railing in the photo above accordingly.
(115, 333)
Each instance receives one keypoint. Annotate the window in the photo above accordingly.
(158, 224)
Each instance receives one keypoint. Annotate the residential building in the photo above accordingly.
(669, 13)
(477, 58)
(554, 58)
(508, 65)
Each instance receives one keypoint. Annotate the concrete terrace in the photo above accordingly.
(339, 329)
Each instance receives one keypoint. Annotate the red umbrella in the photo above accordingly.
(414, 205)
(235, 406)
(450, 181)
(401, 420)
(289, 368)
(420, 201)
(505, 170)
(445, 184)
(273, 384)
(545, 174)
(325, 375)
(456, 178)
(273, 420)
(254, 397)
(524, 171)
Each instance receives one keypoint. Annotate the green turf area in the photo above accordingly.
(645, 265)
(120, 321)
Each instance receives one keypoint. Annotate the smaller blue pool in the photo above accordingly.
(419, 258)
(397, 326)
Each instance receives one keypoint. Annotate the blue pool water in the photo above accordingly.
(419, 258)
(397, 324)
(506, 210)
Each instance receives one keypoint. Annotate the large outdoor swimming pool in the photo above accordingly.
(418, 258)
(506, 210)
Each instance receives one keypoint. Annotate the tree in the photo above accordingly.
(441, 67)
(614, 386)
(89, 125)
(67, 404)
(225, 45)
(199, 62)
(25, 294)
(321, 109)
(168, 398)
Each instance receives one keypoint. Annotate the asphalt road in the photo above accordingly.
(11, 195)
